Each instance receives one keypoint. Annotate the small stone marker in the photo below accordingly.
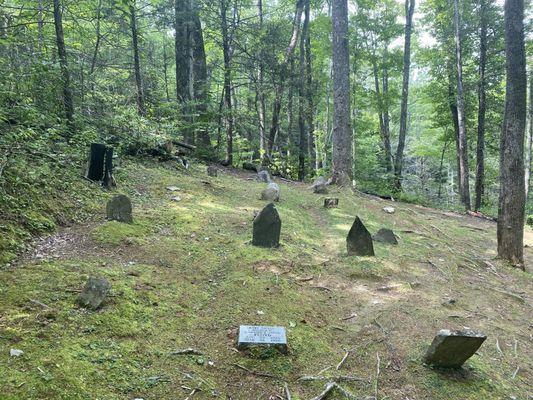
(331, 203)
(212, 171)
(385, 235)
(389, 210)
(94, 293)
(271, 193)
(320, 185)
(173, 188)
(15, 352)
(175, 199)
(250, 335)
(263, 176)
(450, 349)
(119, 209)
(267, 227)
(359, 241)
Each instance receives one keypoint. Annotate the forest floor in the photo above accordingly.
(185, 275)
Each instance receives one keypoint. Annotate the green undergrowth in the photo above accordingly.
(185, 275)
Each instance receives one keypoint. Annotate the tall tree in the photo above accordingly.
(311, 145)
(398, 162)
(462, 148)
(181, 44)
(226, 51)
(261, 109)
(68, 101)
(529, 139)
(512, 193)
(141, 108)
(302, 102)
(342, 140)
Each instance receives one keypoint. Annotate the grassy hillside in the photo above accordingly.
(184, 275)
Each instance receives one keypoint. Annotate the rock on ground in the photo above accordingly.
(271, 192)
(450, 349)
(385, 235)
(94, 293)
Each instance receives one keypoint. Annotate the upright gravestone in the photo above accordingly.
(270, 336)
(359, 241)
(385, 235)
(212, 171)
(267, 227)
(94, 293)
(320, 185)
(450, 349)
(271, 192)
(331, 202)
(263, 176)
(119, 209)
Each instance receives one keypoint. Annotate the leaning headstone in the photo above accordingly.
(271, 192)
(359, 241)
(94, 293)
(385, 235)
(331, 203)
(267, 227)
(119, 209)
(263, 176)
(320, 185)
(270, 336)
(212, 171)
(450, 349)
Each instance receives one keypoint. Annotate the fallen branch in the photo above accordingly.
(329, 388)
(37, 302)
(510, 294)
(339, 366)
(348, 317)
(498, 347)
(287, 393)
(184, 352)
(515, 372)
(378, 364)
(322, 288)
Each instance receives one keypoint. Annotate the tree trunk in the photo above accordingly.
(480, 151)
(529, 141)
(137, 61)
(227, 81)
(302, 106)
(464, 187)
(68, 101)
(398, 162)
(512, 193)
(261, 95)
(386, 116)
(342, 140)
(274, 128)
(311, 146)
(181, 35)
(165, 71)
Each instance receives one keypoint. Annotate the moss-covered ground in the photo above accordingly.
(185, 275)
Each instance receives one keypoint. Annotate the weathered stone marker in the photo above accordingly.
(320, 185)
(271, 193)
(250, 335)
(385, 235)
(267, 227)
(331, 202)
(212, 171)
(359, 241)
(263, 176)
(450, 349)
(119, 209)
(94, 293)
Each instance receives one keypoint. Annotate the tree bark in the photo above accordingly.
(512, 193)
(181, 39)
(398, 162)
(464, 186)
(261, 95)
(141, 109)
(302, 104)
(311, 146)
(342, 141)
(480, 150)
(276, 109)
(529, 141)
(227, 81)
(68, 101)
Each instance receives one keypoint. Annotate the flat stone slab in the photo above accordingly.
(331, 202)
(359, 240)
(267, 227)
(254, 335)
(94, 293)
(119, 209)
(450, 349)
(385, 235)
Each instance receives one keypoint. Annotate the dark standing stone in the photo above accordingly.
(94, 293)
(119, 209)
(359, 241)
(450, 349)
(331, 203)
(262, 336)
(320, 185)
(212, 171)
(385, 235)
(271, 193)
(267, 227)
(263, 176)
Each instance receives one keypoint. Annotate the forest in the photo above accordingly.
(416, 115)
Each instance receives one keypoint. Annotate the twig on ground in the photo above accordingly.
(194, 391)
(326, 289)
(287, 392)
(498, 347)
(188, 351)
(378, 364)
(515, 372)
(305, 279)
(510, 294)
(338, 328)
(40, 304)
(256, 373)
(348, 317)
(329, 387)
(339, 366)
